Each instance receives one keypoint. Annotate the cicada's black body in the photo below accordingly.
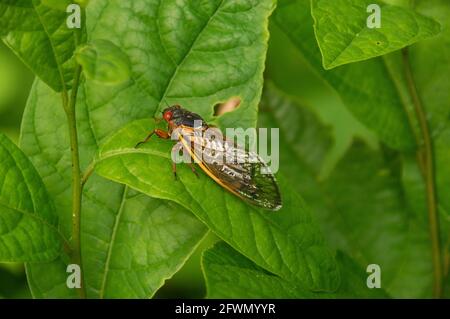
(181, 117)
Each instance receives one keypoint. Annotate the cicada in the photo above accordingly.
(246, 176)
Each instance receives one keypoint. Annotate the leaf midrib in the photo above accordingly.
(113, 238)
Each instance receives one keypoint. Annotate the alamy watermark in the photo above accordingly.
(374, 279)
(74, 278)
(374, 20)
(210, 146)
(74, 19)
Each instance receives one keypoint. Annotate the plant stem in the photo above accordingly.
(446, 262)
(426, 154)
(89, 171)
(76, 176)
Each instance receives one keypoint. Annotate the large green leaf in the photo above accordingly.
(57, 4)
(230, 275)
(104, 62)
(361, 205)
(345, 40)
(38, 34)
(152, 241)
(286, 242)
(28, 222)
(184, 52)
(374, 99)
(48, 280)
(129, 240)
(163, 64)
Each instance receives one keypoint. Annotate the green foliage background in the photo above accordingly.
(352, 187)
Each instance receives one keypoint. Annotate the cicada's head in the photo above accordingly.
(172, 112)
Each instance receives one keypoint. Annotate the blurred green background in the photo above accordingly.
(15, 83)
(285, 68)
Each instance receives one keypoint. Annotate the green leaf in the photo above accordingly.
(152, 241)
(361, 206)
(130, 243)
(83, 3)
(39, 35)
(167, 50)
(184, 53)
(48, 279)
(374, 99)
(28, 222)
(286, 242)
(228, 274)
(344, 37)
(104, 62)
(57, 4)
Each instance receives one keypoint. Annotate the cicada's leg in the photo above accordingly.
(160, 133)
(193, 169)
(174, 170)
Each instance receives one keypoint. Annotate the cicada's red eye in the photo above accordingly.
(167, 116)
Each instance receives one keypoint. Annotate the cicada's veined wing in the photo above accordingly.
(247, 181)
(235, 169)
